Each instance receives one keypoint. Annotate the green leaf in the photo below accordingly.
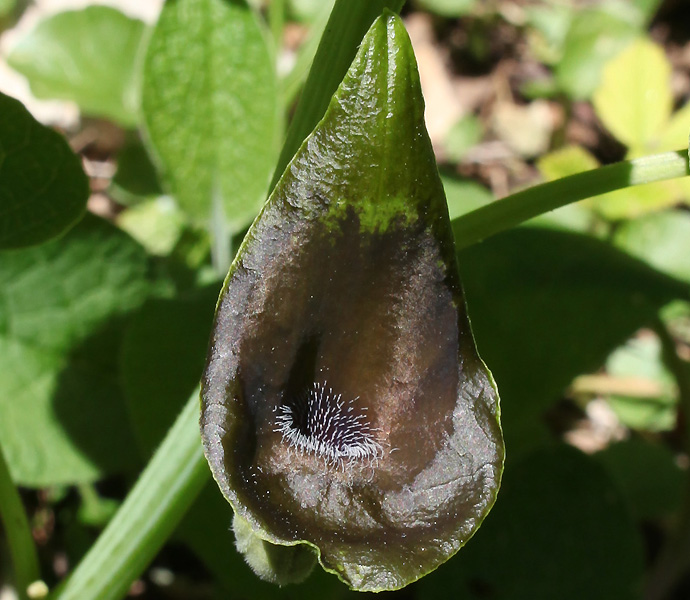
(465, 134)
(561, 163)
(210, 108)
(646, 8)
(675, 134)
(43, 189)
(135, 177)
(662, 240)
(634, 98)
(307, 10)
(639, 200)
(163, 359)
(563, 302)
(640, 364)
(647, 475)
(464, 195)
(449, 8)
(62, 418)
(548, 27)
(595, 35)
(560, 529)
(87, 56)
(6, 7)
(345, 295)
(566, 161)
(156, 224)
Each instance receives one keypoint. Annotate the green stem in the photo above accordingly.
(276, 20)
(290, 84)
(504, 214)
(674, 559)
(221, 240)
(18, 532)
(346, 27)
(153, 508)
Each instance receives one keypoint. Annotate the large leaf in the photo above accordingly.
(547, 306)
(43, 189)
(560, 529)
(344, 404)
(210, 107)
(87, 56)
(62, 418)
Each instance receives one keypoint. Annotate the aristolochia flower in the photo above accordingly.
(344, 404)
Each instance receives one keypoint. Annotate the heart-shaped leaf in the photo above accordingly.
(344, 403)
(62, 306)
(43, 189)
(210, 108)
(89, 56)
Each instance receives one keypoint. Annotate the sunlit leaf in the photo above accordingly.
(651, 402)
(344, 303)
(156, 224)
(449, 8)
(88, 56)
(211, 108)
(675, 133)
(634, 98)
(595, 35)
(636, 201)
(308, 10)
(566, 161)
(464, 195)
(561, 163)
(661, 239)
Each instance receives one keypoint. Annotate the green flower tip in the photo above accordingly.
(277, 564)
(344, 404)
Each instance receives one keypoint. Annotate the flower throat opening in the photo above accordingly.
(321, 423)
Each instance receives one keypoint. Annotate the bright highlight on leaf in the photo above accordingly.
(210, 108)
(344, 403)
(634, 99)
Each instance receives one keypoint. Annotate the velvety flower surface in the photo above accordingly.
(344, 404)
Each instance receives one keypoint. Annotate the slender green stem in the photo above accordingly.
(18, 532)
(674, 559)
(504, 214)
(276, 20)
(290, 84)
(221, 240)
(153, 508)
(346, 27)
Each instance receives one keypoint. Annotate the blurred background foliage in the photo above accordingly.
(582, 314)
